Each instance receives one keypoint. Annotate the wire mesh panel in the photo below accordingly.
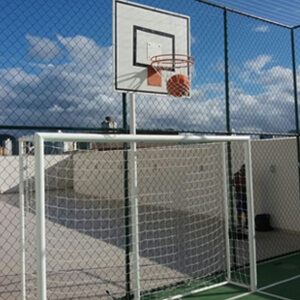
(276, 193)
(261, 76)
(56, 74)
(187, 233)
(206, 108)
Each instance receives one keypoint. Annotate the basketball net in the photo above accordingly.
(176, 70)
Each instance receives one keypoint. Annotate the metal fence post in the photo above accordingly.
(228, 129)
(295, 97)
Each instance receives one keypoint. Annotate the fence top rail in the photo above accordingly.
(245, 14)
(130, 138)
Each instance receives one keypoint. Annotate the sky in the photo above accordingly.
(281, 11)
(56, 69)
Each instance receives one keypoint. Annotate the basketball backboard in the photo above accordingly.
(139, 33)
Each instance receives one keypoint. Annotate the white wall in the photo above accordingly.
(100, 175)
(9, 174)
(176, 178)
(9, 171)
(275, 180)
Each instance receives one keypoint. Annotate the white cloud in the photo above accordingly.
(81, 86)
(56, 109)
(266, 101)
(193, 39)
(15, 76)
(79, 93)
(86, 52)
(277, 74)
(262, 28)
(258, 63)
(42, 48)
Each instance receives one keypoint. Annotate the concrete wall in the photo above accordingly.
(9, 175)
(178, 179)
(171, 177)
(276, 181)
(9, 172)
(275, 178)
(99, 174)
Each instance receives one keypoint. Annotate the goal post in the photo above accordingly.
(24, 169)
(182, 209)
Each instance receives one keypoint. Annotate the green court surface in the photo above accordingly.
(277, 279)
(278, 270)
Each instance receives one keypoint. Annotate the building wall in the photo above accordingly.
(276, 181)
(100, 174)
(170, 177)
(59, 169)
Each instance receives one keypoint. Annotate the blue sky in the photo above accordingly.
(281, 11)
(56, 69)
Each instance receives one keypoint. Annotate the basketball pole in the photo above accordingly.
(134, 202)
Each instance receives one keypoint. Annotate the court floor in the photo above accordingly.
(277, 279)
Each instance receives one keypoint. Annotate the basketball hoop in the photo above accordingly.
(176, 71)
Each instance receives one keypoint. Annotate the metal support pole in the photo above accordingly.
(40, 217)
(126, 204)
(226, 66)
(134, 201)
(228, 129)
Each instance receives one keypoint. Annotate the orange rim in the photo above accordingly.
(172, 61)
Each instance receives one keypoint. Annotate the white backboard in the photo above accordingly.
(140, 32)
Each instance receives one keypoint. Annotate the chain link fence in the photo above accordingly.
(56, 74)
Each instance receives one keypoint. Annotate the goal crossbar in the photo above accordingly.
(129, 138)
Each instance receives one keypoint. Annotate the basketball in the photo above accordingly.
(178, 85)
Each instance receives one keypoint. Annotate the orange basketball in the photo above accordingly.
(178, 85)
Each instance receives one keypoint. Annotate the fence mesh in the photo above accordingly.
(56, 74)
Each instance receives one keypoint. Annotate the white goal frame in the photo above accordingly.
(39, 141)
